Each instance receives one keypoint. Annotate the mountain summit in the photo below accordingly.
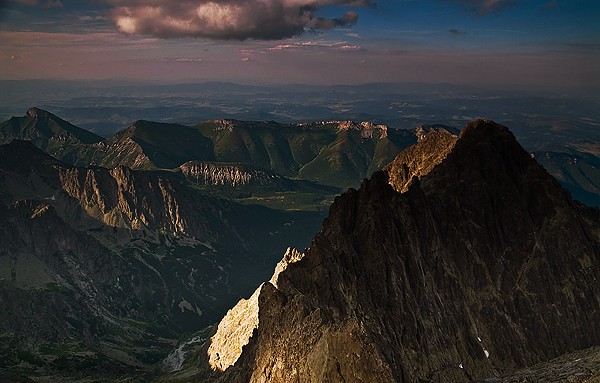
(43, 128)
(477, 265)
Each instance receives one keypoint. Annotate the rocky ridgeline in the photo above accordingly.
(422, 130)
(482, 265)
(206, 173)
(113, 152)
(367, 129)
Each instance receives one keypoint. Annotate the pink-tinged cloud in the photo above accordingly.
(227, 19)
(181, 60)
(315, 45)
(486, 7)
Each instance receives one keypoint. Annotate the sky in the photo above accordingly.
(496, 43)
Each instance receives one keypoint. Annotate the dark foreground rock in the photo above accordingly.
(482, 266)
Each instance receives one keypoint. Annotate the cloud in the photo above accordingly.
(349, 47)
(181, 60)
(454, 31)
(321, 44)
(43, 4)
(487, 7)
(228, 19)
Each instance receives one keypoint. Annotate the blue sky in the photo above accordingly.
(551, 43)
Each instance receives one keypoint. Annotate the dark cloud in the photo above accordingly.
(228, 19)
(454, 31)
(486, 7)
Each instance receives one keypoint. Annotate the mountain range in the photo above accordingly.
(335, 153)
(114, 250)
(308, 163)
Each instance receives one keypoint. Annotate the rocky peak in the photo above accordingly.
(423, 129)
(234, 332)
(225, 124)
(419, 159)
(291, 256)
(42, 127)
(238, 325)
(482, 265)
(37, 112)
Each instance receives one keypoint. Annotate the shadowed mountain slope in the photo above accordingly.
(102, 270)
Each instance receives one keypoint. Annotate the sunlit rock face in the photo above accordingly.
(418, 160)
(234, 332)
(480, 265)
(236, 328)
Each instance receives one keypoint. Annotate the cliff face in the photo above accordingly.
(483, 265)
(207, 173)
(124, 198)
